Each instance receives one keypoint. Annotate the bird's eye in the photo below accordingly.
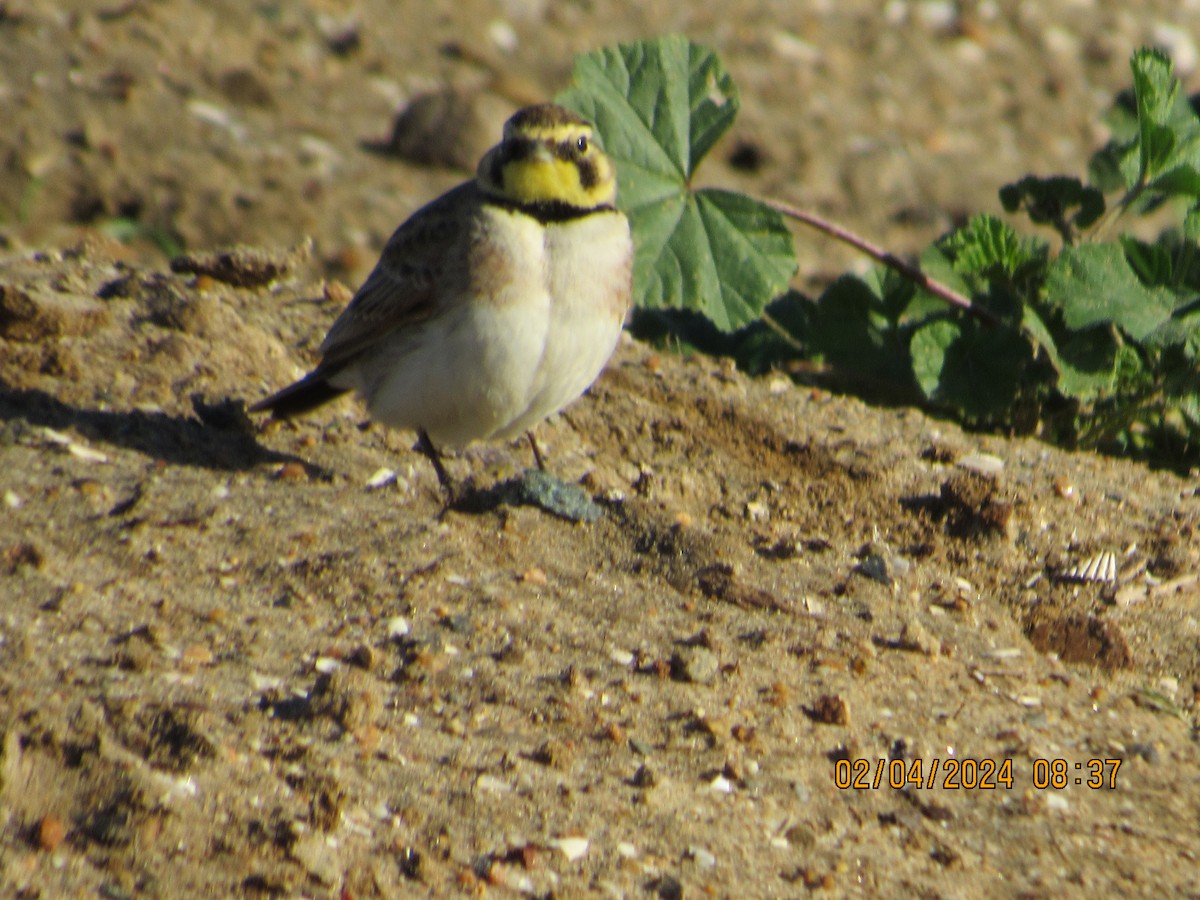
(581, 143)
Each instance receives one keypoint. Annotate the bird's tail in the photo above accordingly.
(308, 393)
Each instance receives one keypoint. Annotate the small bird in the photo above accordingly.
(493, 306)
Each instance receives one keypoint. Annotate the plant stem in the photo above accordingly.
(909, 271)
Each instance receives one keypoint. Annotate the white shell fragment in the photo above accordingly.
(381, 478)
(1102, 567)
(58, 439)
(572, 848)
(982, 463)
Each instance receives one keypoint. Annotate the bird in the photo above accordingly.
(493, 306)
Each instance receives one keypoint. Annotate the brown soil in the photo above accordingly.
(231, 665)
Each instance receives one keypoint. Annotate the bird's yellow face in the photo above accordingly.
(549, 155)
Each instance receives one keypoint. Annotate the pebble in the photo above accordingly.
(757, 511)
(489, 784)
(914, 636)
(982, 463)
(701, 857)
(397, 627)
(317, 854)
(211, 114)
(51, 832)
(503, 36)
(572, 848)
(881, 563)
(721, 785)
(34, 315)
(831, 709)
(620, 657)
(1057, 802)
(567, 501)
(698, 665)
(381, 477)
(937, 15)
(292, 471)
(794, 49)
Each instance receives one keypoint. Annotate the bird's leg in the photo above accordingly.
(537, 451)
(425, 448)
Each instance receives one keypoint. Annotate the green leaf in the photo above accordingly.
(1093, 284)
(717, 252)
(1155, 90)
(1191, 223)
(1153, 264)
(660, 106)
(1156, 147)
(1182, 329)
(929, 348)
(848, 325)
(1088, 361)
(977, 370)
(986, 246)
(1060, 202)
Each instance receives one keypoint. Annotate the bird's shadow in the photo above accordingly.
(220, 436)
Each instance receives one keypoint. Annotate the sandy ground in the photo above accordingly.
(236, 658)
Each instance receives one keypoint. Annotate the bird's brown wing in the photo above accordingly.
(409, 280)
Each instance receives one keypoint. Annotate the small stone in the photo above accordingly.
(701, 857)
(317, 856)
(348, 696)
(698, 665)
(555, 753)
(721, 785)
(381, 478)
(914, 636)
(982, 463)
(363, 656)
(830, 709)
(1057, 802)
(448, 128)
(567, 501)
(195, 656)
(292, 471)
(397, 627)
(38, 315)
(757, 511)
(51, 832)
(620, 657)
(534, 575)
(881, 563)
(644, 777)
(246, 267)
(14, 556)
(572, 848)
(490, 784)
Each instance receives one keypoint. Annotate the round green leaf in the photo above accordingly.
(660, 106)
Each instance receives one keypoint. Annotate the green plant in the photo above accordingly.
(1097, 345)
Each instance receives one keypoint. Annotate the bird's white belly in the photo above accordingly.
(454, 378)
(588, 279)
(495, 364)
